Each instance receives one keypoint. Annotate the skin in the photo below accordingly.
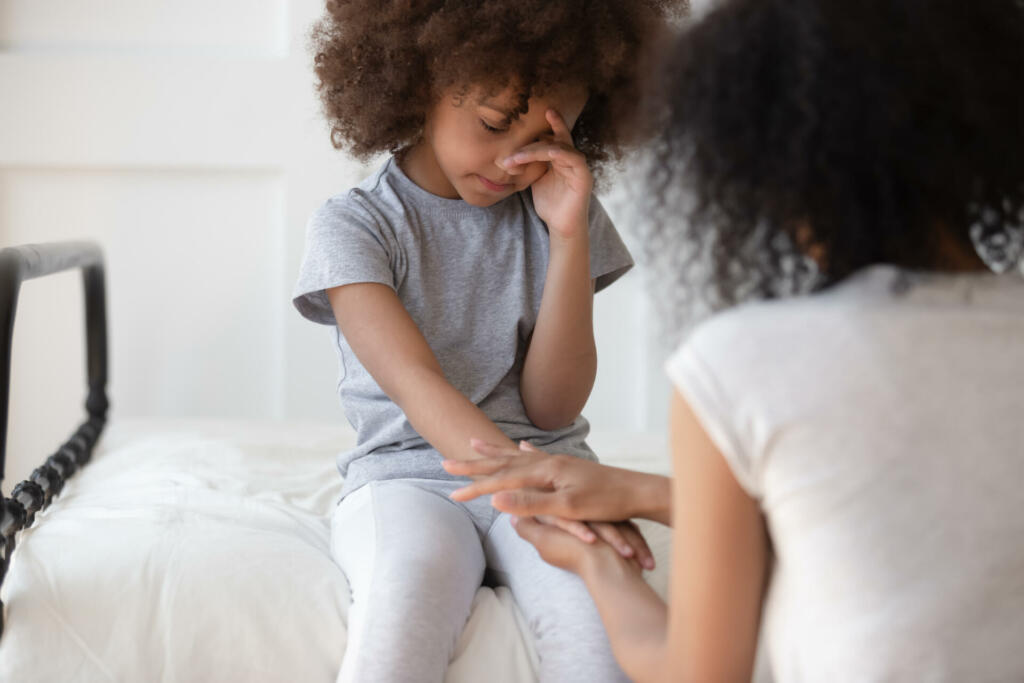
(459, 152)
(720, 551)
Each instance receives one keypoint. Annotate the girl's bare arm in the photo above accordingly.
(561, 361)
(391, 347)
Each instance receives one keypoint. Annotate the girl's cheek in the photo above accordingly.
(535, 171)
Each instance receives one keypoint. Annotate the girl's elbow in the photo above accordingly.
(550, 419)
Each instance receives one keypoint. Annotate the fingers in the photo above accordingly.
(558, 127)
(558, 155)
(469, 468)
(532, 531)
(578, 529)
(520, 478)
(494, 451)
(626, 538)
(528, 502)
(562, 156)
(642, 552)
(495, 459)
(611, 535)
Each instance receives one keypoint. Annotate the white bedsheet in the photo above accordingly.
(197, 550)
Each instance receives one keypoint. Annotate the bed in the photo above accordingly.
(198, 550)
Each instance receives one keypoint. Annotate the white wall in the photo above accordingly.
(185, 137)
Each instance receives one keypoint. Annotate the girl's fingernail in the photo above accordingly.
(513, 520)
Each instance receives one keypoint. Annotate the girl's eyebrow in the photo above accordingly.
(498, 109)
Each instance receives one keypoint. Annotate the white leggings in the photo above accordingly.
(414, 560)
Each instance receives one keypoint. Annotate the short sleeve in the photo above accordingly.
(344, 245)
(693, 376)
(609, 258)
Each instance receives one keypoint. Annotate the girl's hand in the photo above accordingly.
(626, 538)
(562, 195)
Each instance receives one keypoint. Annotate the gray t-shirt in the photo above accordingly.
(470, 277)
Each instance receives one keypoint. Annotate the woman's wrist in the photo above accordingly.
(651, 497)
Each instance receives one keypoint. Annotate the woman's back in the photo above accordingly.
(881, 426)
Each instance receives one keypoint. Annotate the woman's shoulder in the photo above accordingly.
(772, 331)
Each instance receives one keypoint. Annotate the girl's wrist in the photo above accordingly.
(570, 236)
(603, 563)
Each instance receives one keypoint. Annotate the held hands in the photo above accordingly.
(566, 551)
(556, 490)
(562, 195)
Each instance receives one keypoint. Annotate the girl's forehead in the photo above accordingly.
(568, 98)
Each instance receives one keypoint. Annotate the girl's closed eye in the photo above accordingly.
(492, 129)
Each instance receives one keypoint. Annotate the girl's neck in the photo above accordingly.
(419, 163)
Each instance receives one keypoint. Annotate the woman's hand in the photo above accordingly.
(528, 482)
(562, 195)
(529, 469)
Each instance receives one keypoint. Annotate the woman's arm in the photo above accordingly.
(392, 349)
(719, 561)
(719, 571)
(633, 615)
(529, 483)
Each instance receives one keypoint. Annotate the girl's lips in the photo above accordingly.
(493, 187)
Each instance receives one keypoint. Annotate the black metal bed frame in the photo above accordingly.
(18, 264)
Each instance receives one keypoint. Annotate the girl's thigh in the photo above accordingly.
(401, 535)
(413, 561)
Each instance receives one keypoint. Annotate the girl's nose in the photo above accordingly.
(505, 163)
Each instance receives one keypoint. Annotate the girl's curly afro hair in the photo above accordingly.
(871, 131)
(382, 64)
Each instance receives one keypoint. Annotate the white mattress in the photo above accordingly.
(198, 550)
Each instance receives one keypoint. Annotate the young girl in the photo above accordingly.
(848, 464)
(457, 281)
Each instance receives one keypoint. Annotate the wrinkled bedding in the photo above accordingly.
(198, 550)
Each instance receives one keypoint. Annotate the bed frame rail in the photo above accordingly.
(18, 264)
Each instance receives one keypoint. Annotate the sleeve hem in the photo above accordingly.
(696, 384)
(312, 302)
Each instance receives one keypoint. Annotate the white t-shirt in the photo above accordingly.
(880, 424)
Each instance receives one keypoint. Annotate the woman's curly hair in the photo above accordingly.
(382, 64)
(866, 131)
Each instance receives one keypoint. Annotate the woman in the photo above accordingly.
(846, 462)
